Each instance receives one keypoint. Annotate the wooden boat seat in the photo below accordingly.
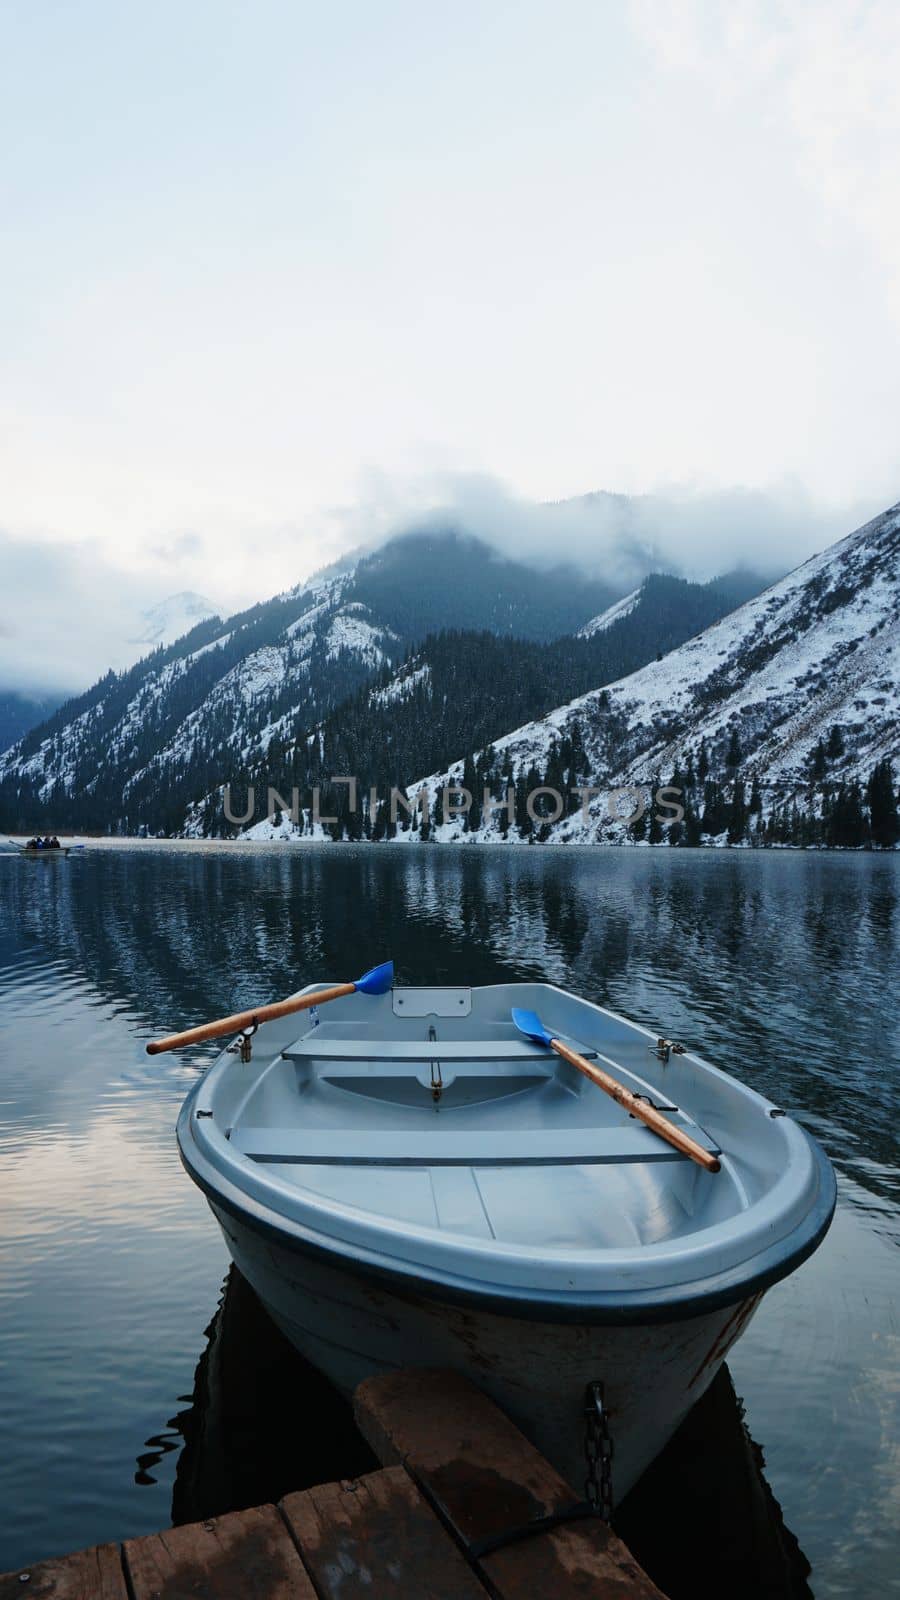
(436, 1145)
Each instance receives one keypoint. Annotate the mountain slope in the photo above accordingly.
(141, 748)
(408, 582)
(614, 613)
(131, 751)
(796, 693)
(458, 691)
(22, 710)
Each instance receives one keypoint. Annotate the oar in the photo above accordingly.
(530, 1024)
(378, 981)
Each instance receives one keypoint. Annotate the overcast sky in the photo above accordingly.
(276, 277)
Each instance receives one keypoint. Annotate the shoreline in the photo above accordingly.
(115, 841)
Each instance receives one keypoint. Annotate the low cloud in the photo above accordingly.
(694, 533)
(70, 614)
(183, 547)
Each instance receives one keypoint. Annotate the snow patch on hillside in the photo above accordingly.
(614, 613)
(815, 651)
(350, 631)
(401, 687)
(214, 644)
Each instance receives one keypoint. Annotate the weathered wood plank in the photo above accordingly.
(377, 1535)
(94, 1574)
(485, 1478)
(246, 1555)
(571, 1562)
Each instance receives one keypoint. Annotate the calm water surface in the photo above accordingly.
(782, 968)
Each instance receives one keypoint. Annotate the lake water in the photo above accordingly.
(780, 967)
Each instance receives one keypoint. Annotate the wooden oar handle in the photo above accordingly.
(648, 1114)
(246, 1019)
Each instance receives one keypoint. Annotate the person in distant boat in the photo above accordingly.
(32, 844)
(55, 844)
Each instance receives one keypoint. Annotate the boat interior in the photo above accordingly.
(427, 1106)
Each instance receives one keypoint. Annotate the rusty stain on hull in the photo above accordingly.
(732, 1330)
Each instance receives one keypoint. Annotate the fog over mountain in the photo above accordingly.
(72, 611)
(69, 613)
(688, 531)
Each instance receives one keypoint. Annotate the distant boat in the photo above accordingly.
(42, 852)
(408, 1180)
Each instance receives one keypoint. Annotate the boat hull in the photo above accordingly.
(524, 1231)
(351, 1325)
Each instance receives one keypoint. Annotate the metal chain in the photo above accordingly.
(598, 1449)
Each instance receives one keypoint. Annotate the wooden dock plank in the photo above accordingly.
(453, 1513)
(377, 1535)
(94, 1574)
(246, 1555)
(484, 1479)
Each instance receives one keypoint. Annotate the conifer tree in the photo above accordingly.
(578, 756)
(884, 821)
(523, 820)
(470, 781)
(691, 834)
(714, 818)
(638, 828)
(737, 814)
(846, 822)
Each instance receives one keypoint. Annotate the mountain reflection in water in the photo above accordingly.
(782, 968)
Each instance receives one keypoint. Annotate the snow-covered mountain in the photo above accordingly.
(425, 655)
(211, 700)
(138, 748)
(795, 697)
(172, 618)
(147, 748)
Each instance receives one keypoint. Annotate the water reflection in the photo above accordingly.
(781, 967)
(261, 1422)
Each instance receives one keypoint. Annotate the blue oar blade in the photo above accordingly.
(529, 1023)
(378, 981)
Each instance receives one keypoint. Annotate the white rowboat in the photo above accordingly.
(404, 1179)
